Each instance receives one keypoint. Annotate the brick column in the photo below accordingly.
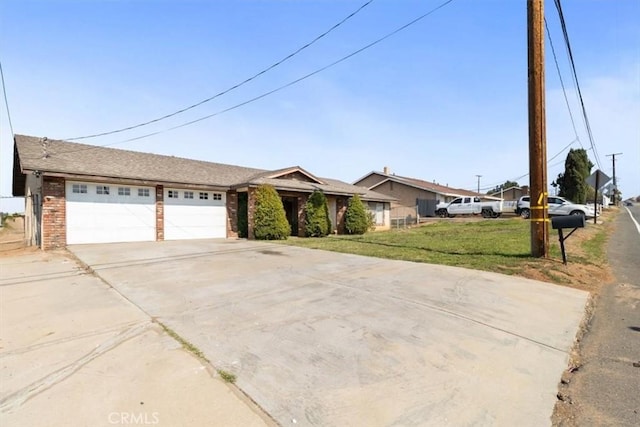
(54, 213)
(232, 214)
(159, 212)
(251, 207)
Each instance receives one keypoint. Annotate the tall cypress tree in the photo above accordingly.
(577, 168)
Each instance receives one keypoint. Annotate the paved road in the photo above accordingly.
(606, 389)
(321, 338)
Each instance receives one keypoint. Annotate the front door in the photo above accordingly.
(291, 210)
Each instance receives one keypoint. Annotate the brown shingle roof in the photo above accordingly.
(424, 185)
(90, 160)
(63, 157)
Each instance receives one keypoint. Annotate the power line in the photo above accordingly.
(6, 103)
(575, 79)
(271, 92)
(564, 92)
(197, 104)
(298, 80)
(491, 186)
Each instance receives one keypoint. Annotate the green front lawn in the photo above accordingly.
(501, 246)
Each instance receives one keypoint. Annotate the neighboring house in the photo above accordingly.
(512, 193)
(78, 193)
(409, 193)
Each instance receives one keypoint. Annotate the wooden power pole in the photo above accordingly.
(537, 131)
(615, 183)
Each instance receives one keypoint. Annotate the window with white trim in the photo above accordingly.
(188, 194)
(217, 196)
(204, 196)
(143, 192)
(102, 189)
(124, 191)
(79, 189)
(173, 194)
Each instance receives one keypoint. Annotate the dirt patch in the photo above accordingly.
(12, 236)
(588, 278)
(586, 269)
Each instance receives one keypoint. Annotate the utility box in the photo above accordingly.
(569, 221)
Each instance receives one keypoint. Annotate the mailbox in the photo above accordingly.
(569, 221)
(560, 223)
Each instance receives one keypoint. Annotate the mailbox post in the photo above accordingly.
(560, 223)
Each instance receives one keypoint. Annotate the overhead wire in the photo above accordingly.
(490, 186)
(298, 80)
(271, 92)
(564, 91)
(585, 117)
(224, 92)
(6, 102)
(575, 80)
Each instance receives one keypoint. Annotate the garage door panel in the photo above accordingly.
(108, 218)
(200, 217)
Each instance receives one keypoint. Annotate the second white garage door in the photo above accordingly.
(192, 214)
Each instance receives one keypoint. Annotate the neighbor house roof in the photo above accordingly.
(422, 185)
(82, 161)
(513, 187)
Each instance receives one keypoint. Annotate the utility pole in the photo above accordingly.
(615, 186)
(479, 176)
(537, 131)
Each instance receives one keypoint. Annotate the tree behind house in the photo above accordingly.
(317, 221)
(358, 220)
(571, 183)
(269, 218)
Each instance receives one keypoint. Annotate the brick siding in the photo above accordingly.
(232, 214)
(251, 207)
(54, 213)
(159, 212)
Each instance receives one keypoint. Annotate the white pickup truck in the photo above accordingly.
(557, 206)
(469, 206)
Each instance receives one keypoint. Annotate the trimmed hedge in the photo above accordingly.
(269, 219)
(317, 222)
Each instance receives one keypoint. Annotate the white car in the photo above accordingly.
(557, 206)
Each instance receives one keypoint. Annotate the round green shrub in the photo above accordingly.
(317, 222)
(269, 219)
(358, 220)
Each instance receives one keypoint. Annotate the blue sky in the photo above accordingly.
(443, 100)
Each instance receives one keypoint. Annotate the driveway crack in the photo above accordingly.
(18, 398)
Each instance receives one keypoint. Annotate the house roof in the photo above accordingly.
(329, 186)
(56, 157)
(422, 185)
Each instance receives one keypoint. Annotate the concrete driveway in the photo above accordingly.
(73, 352)
(321, 338)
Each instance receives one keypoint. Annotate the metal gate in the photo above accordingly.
(426, 207)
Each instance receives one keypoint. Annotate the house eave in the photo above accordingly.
(131, 181)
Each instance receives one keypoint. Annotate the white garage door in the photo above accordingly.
(105, 213)
(192, 214)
